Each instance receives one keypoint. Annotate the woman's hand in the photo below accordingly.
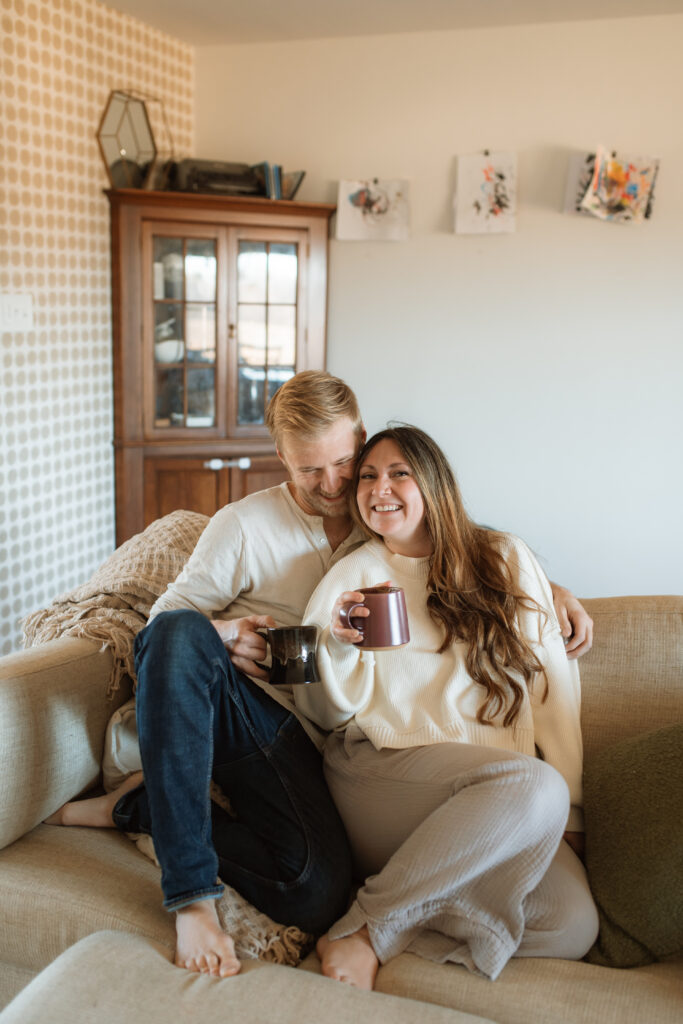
(340, 630)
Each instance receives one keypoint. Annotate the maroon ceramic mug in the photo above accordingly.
(387, 624)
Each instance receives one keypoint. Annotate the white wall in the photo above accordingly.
(548, 363)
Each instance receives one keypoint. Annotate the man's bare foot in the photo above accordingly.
(202, 945)
(95, 812)
(351, 959)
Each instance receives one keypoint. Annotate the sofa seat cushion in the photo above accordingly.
(531, 990)
(12, 980)
(118, 978)
(64, 883)
(58, 885)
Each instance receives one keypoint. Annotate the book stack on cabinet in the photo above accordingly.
(276, 183)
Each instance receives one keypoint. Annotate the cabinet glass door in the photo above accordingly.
(266, 311)
(184, 288)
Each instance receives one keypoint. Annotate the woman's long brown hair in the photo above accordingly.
(471, 592)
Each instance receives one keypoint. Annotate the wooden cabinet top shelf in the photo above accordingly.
(197, 201)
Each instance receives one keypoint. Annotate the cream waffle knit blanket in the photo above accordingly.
(113, 606)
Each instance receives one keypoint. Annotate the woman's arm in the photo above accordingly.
(347, 673)
(557, 719)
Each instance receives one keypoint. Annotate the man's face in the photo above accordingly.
(321, 469)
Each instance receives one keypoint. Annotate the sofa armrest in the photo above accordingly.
(54, 711)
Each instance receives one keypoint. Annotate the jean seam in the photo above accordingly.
(219, 671)
(266, 751)
(308, 866)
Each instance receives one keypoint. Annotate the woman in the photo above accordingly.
(432, 760)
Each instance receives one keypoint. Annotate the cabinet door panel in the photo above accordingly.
(265, 471)
(183, 355)
(183, 483)
(268, 307)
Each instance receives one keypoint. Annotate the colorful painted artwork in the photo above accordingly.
(611, 187)
(622, 187)
(486, 194)
(373, 210)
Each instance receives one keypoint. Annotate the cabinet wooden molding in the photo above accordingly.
(216, 302)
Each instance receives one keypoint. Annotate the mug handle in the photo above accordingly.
(261, 664)
(347, 610)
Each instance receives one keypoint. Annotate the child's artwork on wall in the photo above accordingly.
(579, 176)
(486, 194)
(375, 209)
(611, 187)
(621, 188)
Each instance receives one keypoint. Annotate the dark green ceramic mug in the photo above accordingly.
(292, 651)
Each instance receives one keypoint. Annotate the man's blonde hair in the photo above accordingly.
(308, 404)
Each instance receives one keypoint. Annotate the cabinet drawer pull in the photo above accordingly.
(216, 464)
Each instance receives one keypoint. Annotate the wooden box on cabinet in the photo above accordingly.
(216, 301)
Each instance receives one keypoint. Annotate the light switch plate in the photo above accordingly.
(16, 311)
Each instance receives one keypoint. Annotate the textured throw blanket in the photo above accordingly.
(111, 608)
(255, 935)
(114, 605)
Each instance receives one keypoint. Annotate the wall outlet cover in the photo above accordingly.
(16, 311)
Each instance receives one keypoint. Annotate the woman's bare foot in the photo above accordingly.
(351, 959)
(202, 945)
(95, 812)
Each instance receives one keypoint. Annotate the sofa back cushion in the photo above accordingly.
(632, 679)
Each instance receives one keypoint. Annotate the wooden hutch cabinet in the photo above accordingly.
(216, 302)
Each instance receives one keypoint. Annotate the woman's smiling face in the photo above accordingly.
(390, 501)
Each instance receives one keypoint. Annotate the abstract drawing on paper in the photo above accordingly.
(611, 187)
(486, 194)
(374, 209)
(579, 176)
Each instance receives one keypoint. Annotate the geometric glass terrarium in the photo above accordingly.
(135, 141)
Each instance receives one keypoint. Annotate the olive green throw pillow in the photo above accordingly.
(633, 806)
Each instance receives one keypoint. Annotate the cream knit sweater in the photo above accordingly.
(413, 696)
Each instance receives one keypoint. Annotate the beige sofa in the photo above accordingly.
(83, 931)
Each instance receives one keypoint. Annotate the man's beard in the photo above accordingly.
(322, 508)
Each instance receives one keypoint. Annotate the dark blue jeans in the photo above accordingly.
(199, 718)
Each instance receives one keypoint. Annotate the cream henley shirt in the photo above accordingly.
(262, 555)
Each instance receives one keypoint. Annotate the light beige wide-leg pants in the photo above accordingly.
(461, 847)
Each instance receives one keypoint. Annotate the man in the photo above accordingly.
(205, 710)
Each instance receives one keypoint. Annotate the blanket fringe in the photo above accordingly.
(256, 936)
(100, 626)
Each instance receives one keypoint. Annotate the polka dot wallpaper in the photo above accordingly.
(59, 59)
